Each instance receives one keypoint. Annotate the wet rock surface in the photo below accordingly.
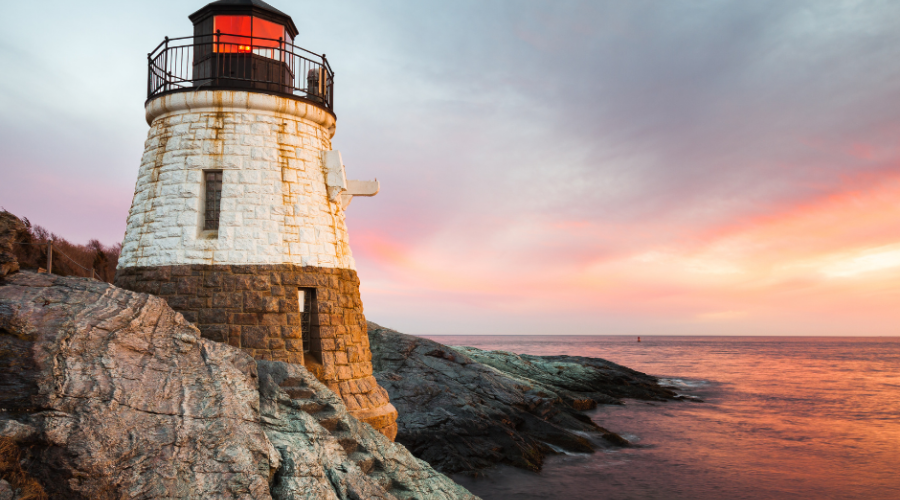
(112, 394)
(463, 409)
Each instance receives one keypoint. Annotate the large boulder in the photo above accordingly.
(122, 397)
(111, 394)
(10, 229)
(464, 409)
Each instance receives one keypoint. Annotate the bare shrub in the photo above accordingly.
(31, 252)
(11, 470)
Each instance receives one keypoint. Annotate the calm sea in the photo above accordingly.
(814, 418)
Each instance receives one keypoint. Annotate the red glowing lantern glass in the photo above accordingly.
(243, 44)
(245, 34)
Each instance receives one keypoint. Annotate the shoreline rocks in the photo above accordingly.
(108, 393)
(325, 450)
(464, 409)
(112, 394)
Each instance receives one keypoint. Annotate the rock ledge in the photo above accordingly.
(464, 409)
(112, 394)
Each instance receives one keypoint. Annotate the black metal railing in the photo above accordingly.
(235, 62)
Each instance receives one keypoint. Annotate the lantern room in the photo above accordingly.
(244, 26)
(240, 45)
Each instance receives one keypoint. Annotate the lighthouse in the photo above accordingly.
(238, 216)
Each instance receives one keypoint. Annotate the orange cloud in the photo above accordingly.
(836, 257)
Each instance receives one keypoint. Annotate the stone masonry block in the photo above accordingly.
(259, 283)
(295, 345)
(326, 332)
(213, 316)
(255, 337)
(219, 333)
(273, 319)
(227, 300)
(343, 372)
(243, 319)
(291, 331)
(191, 316)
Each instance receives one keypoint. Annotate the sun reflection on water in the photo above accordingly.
(782, 418)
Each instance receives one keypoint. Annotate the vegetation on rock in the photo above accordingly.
(21, 485)
(29, 246)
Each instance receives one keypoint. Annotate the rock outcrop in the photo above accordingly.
(326, 451)
(464, 409)
(256, 308)
(581, 382)
(118, 396)
(112, 394)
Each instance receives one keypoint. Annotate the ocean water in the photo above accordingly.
(782, 418)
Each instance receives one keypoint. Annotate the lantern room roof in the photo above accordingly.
(256, 8)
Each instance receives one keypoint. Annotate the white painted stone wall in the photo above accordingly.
(275, 207)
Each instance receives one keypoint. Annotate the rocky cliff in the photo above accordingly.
(111, 394)
(463, 409)
(107, 393)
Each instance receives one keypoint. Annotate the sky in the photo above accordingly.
(547, 167)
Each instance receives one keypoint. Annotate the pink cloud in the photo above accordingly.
(837, 256)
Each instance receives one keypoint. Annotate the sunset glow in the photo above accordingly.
(529, 249)
(549, 168)
(837, 256)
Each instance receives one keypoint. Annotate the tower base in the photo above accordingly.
(256, 308)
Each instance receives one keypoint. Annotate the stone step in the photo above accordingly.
(313, 407)
(298, 392)
(304, 398)
(383, 480)
(365, 461)
(331, 422)
(292, 381)
(349, 444)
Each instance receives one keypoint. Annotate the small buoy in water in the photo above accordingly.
(639, 339)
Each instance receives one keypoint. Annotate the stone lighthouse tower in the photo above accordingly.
(238, 212)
